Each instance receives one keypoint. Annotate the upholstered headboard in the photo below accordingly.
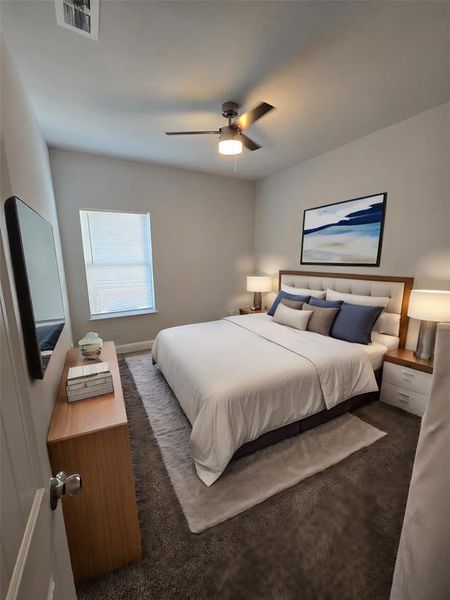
(398, 289)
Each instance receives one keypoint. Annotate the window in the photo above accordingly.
(118, 258)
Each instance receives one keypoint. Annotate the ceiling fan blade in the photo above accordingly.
(248, 143)
(251, 116)
(192, 132)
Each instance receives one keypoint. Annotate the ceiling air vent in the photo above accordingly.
(80, 16)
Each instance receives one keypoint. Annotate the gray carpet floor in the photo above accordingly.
(334, 536)
(251, 479)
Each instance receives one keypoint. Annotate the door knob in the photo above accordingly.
(61, 485)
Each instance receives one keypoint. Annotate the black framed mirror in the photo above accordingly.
(38, 286)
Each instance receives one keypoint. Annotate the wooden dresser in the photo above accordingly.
(90, 437)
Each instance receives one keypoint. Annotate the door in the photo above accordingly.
(30, 567)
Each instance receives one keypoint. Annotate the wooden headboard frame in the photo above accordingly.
(407, 287)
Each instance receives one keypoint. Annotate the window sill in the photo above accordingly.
(126, 313)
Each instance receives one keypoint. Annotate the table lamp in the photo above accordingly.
(258, 284)
(430, 307)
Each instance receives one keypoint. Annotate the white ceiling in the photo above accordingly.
(336, 71)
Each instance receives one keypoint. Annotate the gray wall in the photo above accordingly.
(25, 172)
(202, 233)
(410, 161)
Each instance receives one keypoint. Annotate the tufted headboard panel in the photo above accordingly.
(398, 289)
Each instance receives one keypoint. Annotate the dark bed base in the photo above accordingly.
(277, 435)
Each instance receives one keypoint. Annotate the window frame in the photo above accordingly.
(123, 313)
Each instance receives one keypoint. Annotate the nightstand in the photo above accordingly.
(406, 381)
(249, 311)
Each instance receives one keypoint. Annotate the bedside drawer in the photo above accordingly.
(406, 378)
(413, 402)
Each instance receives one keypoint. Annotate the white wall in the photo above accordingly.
(26, 173)
(202, 234)
(410, 161)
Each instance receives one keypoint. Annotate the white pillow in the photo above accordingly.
(388, 323)
(290, 289)
(355, 299)
(292, 317)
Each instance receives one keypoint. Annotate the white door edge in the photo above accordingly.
(19, 567)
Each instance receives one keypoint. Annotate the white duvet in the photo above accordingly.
(240, 377)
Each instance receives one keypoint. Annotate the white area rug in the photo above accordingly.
(248, 480)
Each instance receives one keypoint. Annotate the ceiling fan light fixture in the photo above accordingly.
(230, 147)
(230, 142)
(231, 138)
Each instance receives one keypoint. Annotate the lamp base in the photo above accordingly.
(426, 341)
(257, 300)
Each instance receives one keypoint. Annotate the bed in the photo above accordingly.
(245, 381)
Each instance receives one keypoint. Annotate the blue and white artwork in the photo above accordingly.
(345, 233)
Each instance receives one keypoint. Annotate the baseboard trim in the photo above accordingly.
(134, 347)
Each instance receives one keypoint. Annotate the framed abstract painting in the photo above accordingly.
(344, 233)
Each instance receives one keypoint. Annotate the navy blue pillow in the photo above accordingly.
(354, 323)
(326, 303)
(282, 295)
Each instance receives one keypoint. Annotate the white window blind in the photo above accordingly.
(118, 258)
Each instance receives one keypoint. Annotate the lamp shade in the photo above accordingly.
(429, 305)
(259, 283)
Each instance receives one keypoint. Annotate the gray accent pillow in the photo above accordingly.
(321, 319)
(292, 303)
(282, 294)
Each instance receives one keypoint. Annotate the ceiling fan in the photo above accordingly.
(231, 138)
